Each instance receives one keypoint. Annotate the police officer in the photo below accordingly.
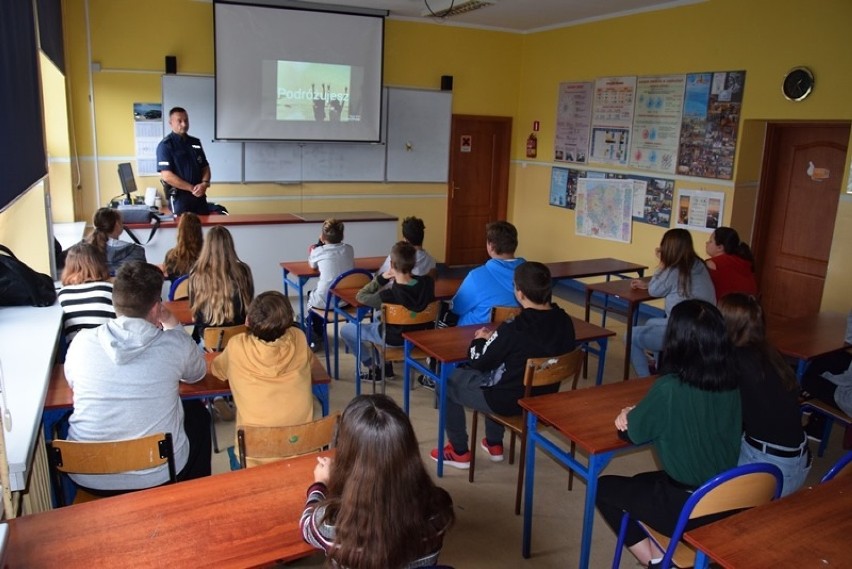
(183, 166)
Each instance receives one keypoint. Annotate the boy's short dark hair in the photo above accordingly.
(413, 230)
(534, 280)
(503, 237)
(403, 257)
(332, 231)
(138, 286)
(269, 315)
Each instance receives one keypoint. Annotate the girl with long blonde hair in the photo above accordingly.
(220, 285)
(186, 251)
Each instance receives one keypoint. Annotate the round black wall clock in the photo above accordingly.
(798, 84)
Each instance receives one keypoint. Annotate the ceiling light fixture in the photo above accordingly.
(447, 8)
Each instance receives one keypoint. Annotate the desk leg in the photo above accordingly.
(628, 339)
(801, 368)
(701, 561)
(446, 369)
(357, 356)
(322, 395)
(602, 343)
(529, 484)
(588, 315)
(406, 376)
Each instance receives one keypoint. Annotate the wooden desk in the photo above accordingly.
(808, 337)
(607, 267)
(585, 416)
(622, 290)
(450, 346)
(298, 273)
(181, 310)
(237, 519)
(809, 528)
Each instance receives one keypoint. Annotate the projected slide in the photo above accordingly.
(316, 92)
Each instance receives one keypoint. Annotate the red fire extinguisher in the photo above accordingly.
(532, 145)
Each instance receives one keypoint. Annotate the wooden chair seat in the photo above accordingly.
(831, 414)
(258, 444)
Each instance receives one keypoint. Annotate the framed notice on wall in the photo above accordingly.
(573, 119)
(612, 120)
(700, 209)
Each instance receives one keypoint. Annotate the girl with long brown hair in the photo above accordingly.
(190, 240)
(375, 506)
(220, 285)
(680, 275)
(108, 225)
(770, 395)
(86, 295)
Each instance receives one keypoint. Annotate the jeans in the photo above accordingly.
(648, 337)
(370, 333)
(794, 469)
(463, 390)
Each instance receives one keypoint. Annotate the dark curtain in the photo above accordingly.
(50, 31)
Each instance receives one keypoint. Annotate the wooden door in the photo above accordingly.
(479, 184)
(796, 209)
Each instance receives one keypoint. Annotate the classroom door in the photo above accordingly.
(479, 184)
(797, 205)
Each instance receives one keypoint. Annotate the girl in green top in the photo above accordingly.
(692, 417)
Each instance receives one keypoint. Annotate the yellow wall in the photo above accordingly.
(57, 141)
(495, 73)
(23, 229)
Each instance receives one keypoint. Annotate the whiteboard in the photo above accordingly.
(196, 95)
(314, 162)
(418, 135)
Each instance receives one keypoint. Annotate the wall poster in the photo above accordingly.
(656, 123)
(573, 120)
(147, 132)
(612, 119)
(563, 185)
(700, 209)
(652, 198)
(605, 209)
(711, 118)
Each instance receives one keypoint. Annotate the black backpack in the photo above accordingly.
(22, 286)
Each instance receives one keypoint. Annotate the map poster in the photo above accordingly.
(573, 117)
(612, 119)
(605, 209)
(652, 199)
(563, 185)
(656, 122)
(711, 118)
(700, 209)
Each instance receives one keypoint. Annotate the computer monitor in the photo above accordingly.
(128, 182)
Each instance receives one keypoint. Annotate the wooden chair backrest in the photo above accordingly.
(503, 313)
(556, 369)
(180, 288)
(745, 491)
(398, 315)
(354, 280)
(285, 442)
(217, 337)
(111, 457)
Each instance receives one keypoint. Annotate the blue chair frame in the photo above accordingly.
(175, 284)
(691, 503)
(329, 307)
(838, 466)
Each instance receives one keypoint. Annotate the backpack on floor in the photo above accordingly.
(22, 286)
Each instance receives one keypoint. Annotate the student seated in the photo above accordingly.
(413, 230)
(269, 368)
(86, 294)
(107, 228)
(332, 257)
(491, 284)
(493, 380)
(414, 293)
(731, 264)
(190, 240)
(374, 506)
(126, 376)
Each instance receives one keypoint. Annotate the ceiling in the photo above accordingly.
(520, 16)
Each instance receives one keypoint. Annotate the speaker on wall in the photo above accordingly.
(171, 64)
(446, 82)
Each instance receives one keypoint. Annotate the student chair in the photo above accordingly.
(107, 457)
(398, 315)
(831, 415)
(539, 372)
(356, 278)
(840, 469)
(275, 443)
(215, 340)
(739, 488)
(180, 288)
(500, 314)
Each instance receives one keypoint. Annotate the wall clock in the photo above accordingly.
(798, 84)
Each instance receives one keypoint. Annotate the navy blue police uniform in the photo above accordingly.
(184, 157)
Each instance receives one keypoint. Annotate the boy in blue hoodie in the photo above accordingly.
(491, 284)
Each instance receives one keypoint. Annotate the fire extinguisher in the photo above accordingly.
(532, 145)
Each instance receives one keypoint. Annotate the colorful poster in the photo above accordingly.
(711, 118)
(700, 209)
(563, 185)
(612, 119)
(605, 209)
(656, 123)
(573, 119)
(652, 199)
